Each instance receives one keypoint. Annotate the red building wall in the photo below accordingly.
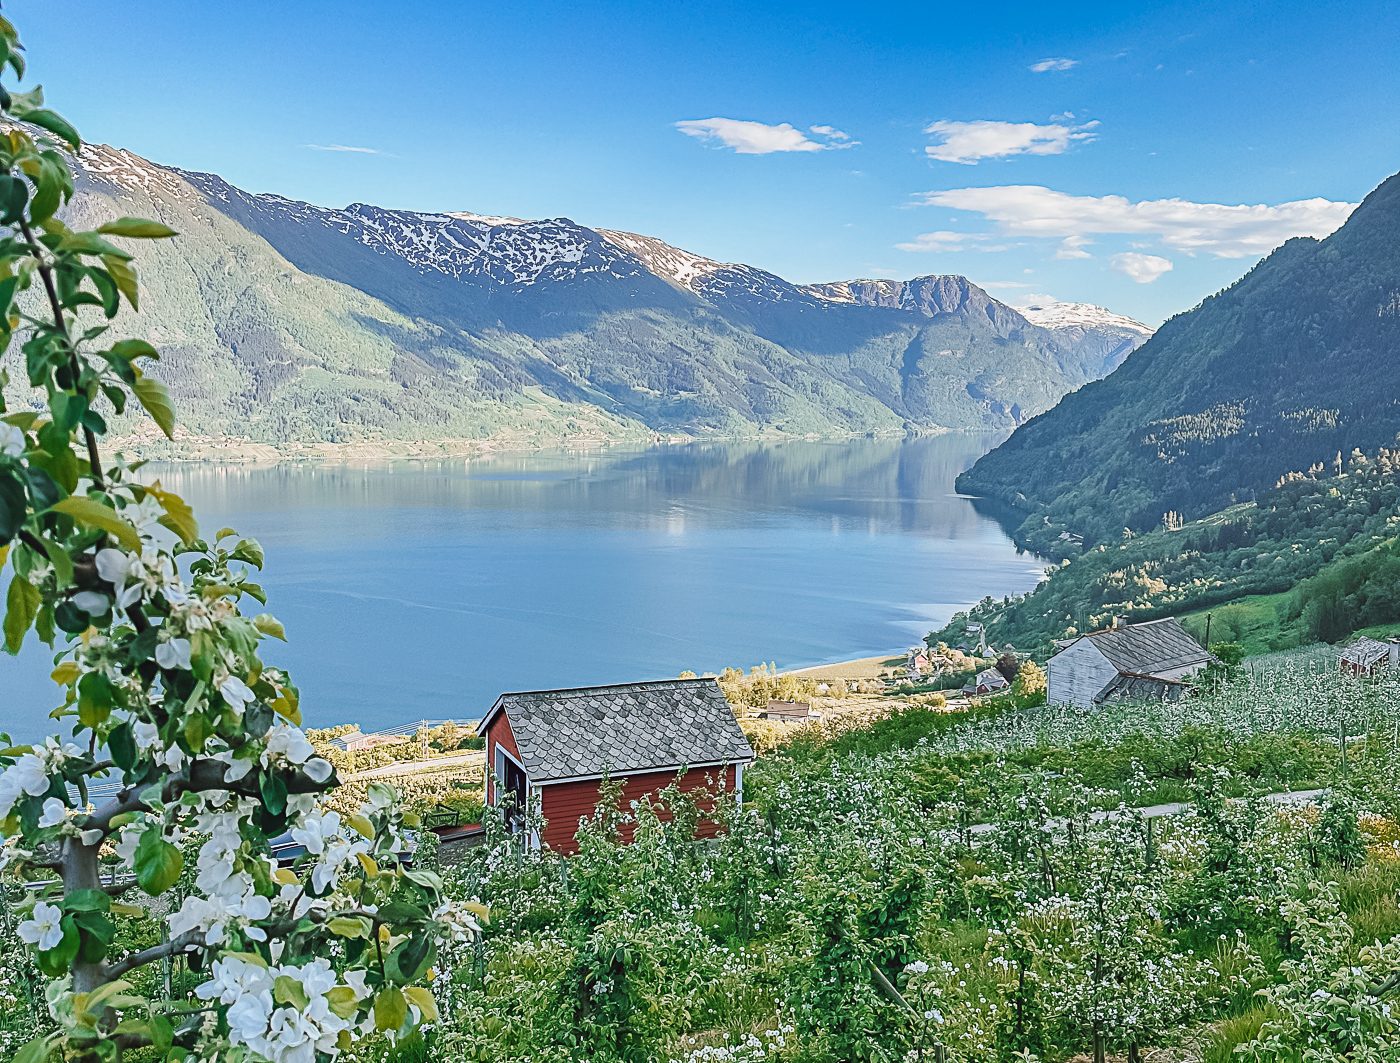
(499, 733)
(563, 804)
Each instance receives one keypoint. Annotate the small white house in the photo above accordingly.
(1136, 661)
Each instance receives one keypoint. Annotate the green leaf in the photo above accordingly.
(249, 550)
(137, 229)
(88, 901)
(36, 1051)
(390, 1009)
(287, 990)
(423, 999)
(158, 863)
(90, 244)
(55, 124)
(21, 607)
(121, 743)
(14, 504)
(156, 398)
(127, 350)
(123, 276)
(162, 1033)
(89, 511)
(68, 409)
(406, 964)
(179, 517)
(97, 696)
(342, 1001)
(270, 625)
(347, 928)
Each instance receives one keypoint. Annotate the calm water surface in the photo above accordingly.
(423, 589)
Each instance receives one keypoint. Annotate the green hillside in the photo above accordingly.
(1282, 372)
(1314, 559)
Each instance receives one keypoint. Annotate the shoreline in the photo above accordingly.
(148, 443)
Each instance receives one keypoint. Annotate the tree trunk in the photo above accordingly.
(80, 873)
(1099, 1054)
(1134, 1053)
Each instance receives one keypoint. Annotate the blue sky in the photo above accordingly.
(1029, 147)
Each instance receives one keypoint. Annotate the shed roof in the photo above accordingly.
(1365, 651)
(587, 732)
(1143, 649)
(1130, 686)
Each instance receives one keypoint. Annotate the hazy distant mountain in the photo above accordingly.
(1289, 368)
(288, 321)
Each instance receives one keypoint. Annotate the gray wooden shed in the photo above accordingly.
(1128, 661)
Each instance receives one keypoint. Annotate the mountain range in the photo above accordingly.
(282, 321)
(1284, 373)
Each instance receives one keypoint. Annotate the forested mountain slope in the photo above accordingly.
(1329, 539)
(365, 323)
(1287, 369)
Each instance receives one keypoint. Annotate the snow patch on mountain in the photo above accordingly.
(667, 262)
(1058, 315)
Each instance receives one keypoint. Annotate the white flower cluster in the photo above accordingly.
(30, 774)
(134, 578)
(278, 1031)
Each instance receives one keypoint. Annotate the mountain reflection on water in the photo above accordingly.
(418, 589)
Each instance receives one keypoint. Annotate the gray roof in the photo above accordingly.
(1365, 651)
(1145, 649)
(590, 731)
(1129, 686)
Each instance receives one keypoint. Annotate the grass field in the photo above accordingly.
(1255, 622)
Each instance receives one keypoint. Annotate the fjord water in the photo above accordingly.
(418, 589)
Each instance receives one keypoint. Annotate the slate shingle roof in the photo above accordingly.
(1156, 646)
(587, 731)
(1365, 652)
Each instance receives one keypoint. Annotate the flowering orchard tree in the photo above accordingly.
(165, 690)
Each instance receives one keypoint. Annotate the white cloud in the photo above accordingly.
(1072, 247)
(1223, 231)
(1035, 299)
(345, 147)
(941, 241)
(968, 142)
(755, 138)
(1139, 267)
(1053, 64)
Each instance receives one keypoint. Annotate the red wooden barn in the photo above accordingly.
(557, 745)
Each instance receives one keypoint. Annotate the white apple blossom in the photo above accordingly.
(174, 654)
(146, 734)
(289, 741)
(92, 602)
(54, 813)
(136, 577)
(11, 440)
(317, 830)
(318, 769)
(28, 775)
(236, 693)
(44, 929)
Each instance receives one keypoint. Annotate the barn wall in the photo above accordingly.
(564, 804)
(498, 733)
(1077, 674)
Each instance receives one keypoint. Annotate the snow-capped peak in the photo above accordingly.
(1053, 314)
